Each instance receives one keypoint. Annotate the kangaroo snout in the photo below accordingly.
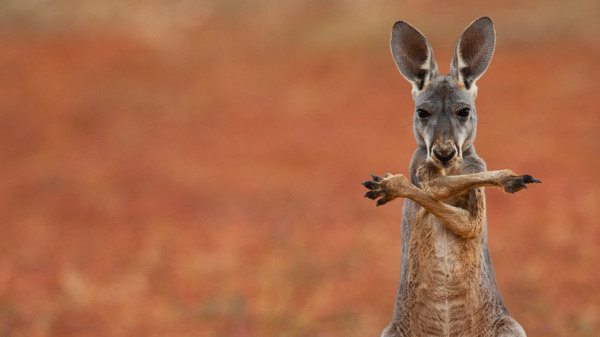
(446, 158)
(445, 153)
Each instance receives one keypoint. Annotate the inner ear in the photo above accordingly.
(413, 55)
(473, 52)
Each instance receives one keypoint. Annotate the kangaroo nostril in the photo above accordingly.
(444, 159)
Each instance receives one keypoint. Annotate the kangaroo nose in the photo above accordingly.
(444, 157)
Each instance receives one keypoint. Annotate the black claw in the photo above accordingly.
(371, 184)
(376, 178)
(381, 201)
(373, 194)
(529, 179)
(523, 184)
(510, 189)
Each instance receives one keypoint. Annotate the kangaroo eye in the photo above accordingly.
(464, 112)
(423, 113)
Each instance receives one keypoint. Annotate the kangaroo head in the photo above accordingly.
(445, 122)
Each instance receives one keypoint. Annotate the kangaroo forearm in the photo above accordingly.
(460, 221)
(445, 187)
(466, 220)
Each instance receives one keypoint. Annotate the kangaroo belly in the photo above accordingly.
(445, 292)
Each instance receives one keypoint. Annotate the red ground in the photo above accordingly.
(211, 188)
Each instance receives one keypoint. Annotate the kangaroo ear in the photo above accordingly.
(413, 55)
(473, 52)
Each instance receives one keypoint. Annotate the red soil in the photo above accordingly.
(215, 191)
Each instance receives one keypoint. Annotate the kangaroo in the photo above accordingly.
(447, 282)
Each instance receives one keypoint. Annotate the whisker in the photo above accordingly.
(412, 122)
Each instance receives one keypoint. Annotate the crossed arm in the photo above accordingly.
(465, 222)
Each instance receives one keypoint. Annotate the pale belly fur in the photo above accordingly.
(446, 299)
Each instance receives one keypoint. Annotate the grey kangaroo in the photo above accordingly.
(447, 282)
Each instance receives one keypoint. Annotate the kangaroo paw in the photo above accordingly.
(386, 188)
(516, 183)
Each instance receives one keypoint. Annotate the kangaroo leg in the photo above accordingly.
(458, 220)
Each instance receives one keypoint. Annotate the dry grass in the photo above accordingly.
(202, 179)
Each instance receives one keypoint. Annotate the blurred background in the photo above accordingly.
(193, 168)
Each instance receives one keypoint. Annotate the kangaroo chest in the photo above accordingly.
(444, 291)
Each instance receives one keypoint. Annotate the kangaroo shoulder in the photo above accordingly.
(473, 164)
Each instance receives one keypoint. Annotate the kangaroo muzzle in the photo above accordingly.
(444, 153)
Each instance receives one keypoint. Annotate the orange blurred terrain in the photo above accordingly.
(203, 179)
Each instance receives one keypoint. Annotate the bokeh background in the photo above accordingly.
(193, 168)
